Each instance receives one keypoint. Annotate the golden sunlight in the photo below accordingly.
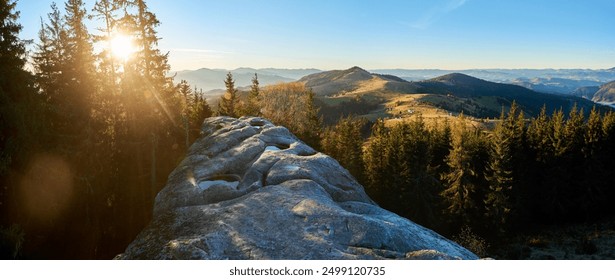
(122, 47)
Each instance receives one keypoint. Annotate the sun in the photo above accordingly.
(122, 46)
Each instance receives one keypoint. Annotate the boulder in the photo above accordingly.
(251, 190)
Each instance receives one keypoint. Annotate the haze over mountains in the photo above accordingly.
(382, 94)
(213, 79)
(559, 81)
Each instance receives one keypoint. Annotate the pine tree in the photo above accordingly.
(312, 128)
(13, 49)
(540, 136)
(253, 104)
(345, 143)
(50, 63)
(105, 10)
(464, 193)
(441, 145)
(608, 151)
(22, 126)
(228, 101)
(540, 148)
(375, 162)
(507, 189)
(593, 195)
(201, 111)
(185, 91)
(145, 112)
(397, 170)
(79, 69)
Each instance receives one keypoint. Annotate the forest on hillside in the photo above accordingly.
(488, 186)
(89, 136)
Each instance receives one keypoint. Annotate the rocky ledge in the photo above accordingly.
(251, 190)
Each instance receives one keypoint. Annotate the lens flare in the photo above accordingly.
(46, 188)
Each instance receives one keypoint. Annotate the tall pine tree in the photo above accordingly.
(252, 107)
(228, 102)
(22, 127)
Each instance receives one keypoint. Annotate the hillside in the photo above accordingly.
(606, 93)
(561, 81)
(447, 95)
(491, 97)
(336, 82)
(586, 92)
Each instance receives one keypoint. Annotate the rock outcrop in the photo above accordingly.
(251, 190)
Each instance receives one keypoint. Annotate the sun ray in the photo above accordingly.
(122, 47)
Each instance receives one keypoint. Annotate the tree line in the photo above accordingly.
(552, 169)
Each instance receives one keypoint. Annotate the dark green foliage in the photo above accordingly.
(311, 133)
(465, 182)
(22, 110)
(506, 170)
(550, 169)
(345, 143)
(194, 110)
(397, 165)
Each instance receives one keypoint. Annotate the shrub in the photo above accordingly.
(472, 242)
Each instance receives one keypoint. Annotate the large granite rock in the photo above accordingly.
(252, 190)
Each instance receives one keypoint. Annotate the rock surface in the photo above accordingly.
(251, 190)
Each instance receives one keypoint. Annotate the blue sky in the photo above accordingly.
(412, 34)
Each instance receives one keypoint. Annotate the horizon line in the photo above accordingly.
(394, 68)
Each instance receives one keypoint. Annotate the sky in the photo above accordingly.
(380, 34)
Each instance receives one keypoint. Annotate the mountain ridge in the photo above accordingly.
(560, 81)
(486, 97)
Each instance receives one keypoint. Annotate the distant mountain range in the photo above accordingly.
(560, 81)
(213, 79)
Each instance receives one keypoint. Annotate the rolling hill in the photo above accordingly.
(354, 81)
(492, 97)
(452, 93)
